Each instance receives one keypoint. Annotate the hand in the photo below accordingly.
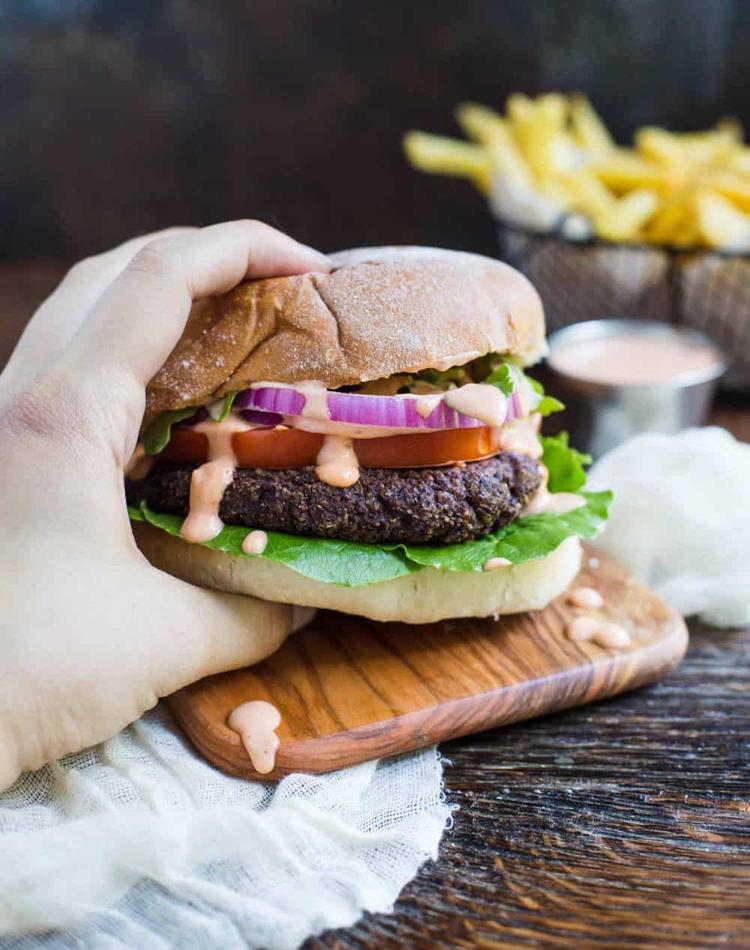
(91, 635)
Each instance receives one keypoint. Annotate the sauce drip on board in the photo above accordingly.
(585, 597)
(255, 542)
(256, 723)
(337, 462)
(605, 634)
(210, 480)
(633, 359)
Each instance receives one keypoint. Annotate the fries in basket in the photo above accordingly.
(550, 163)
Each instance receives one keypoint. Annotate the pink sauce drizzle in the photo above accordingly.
(585, 597)
(255, 542)
(479, 401)
(337, 462)
(316, 399)
(632, 359)
(495, 562)
(611, 636)
(211, 480)
(546, 502)
(139, 465)
(522, 436)
(256, 723)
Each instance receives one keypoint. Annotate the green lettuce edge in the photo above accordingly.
(350, 564)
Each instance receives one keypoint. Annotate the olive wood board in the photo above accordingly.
(350, 689)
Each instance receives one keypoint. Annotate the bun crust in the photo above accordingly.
(426, 596)
(380, 311)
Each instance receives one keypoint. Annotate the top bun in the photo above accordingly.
(380, 311)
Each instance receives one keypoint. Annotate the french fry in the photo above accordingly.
(740, 161)
(623, 170)
(490, 130)
(674, 222)
(587, 193)
(552, 155)
(721, 224)
(554, 107)
(730, 184)
(480, 123)
(659, 145)
(539, 128)
(624, 220)
(715, 145)
(532, 130)
(440, 155)
(589, 130)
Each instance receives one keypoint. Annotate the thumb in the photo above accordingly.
(202, 632)
(150, 300)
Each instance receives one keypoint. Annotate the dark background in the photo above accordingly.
(120, 116)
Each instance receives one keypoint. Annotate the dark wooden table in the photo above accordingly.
(621, 824)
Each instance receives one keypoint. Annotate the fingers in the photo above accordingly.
(207, 632)
(58, 319)
(137, 321)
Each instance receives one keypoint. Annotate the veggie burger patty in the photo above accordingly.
(420, 505)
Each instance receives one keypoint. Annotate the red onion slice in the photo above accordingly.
(280, 399)
(515, 409)
(258, 417)
(392, 412)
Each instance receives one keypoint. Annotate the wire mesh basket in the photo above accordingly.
(706, 290)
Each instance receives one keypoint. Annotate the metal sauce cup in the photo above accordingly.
(601, 415)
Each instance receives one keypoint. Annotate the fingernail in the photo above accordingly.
(301, 616)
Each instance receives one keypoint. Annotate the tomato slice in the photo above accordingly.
(294, 448)
(445, 447)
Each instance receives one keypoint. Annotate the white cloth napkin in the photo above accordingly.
(681, 519)
(140, 843)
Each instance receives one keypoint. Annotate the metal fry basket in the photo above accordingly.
(706, 290)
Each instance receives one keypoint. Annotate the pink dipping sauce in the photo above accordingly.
(633, 359)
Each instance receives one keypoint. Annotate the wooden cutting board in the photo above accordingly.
(350, 689)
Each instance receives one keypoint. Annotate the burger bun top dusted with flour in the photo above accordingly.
(380, 311)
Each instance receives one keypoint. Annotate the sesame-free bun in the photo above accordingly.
(380, 311)
(426, 596)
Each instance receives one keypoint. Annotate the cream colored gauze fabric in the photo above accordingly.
(681, 519)
(139, 843)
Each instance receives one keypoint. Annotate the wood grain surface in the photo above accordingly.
(624, 824)
(350, 689)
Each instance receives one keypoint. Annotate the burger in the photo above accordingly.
(365, 440)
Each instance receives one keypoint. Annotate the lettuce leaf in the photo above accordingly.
(506, 375)
(222, 410)
(503, 377)
(564, 464)
(344, 563)
(547, 404)
(349, 564)
(159, 432)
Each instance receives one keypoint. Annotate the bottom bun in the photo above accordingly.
(423, 597)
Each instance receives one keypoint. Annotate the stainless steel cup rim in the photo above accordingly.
(618, 326)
